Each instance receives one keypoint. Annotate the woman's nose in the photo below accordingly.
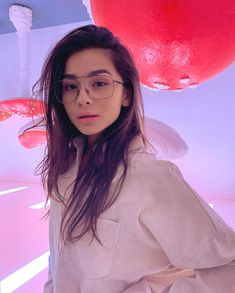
(83, 96)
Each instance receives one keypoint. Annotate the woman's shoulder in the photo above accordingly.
(146, 164)
(163, 187)
(176, 214)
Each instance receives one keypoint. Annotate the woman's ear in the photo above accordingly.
(126, 99)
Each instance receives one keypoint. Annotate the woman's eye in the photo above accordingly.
(99, 84)
(69, 87)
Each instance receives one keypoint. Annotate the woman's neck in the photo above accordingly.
(91, 139)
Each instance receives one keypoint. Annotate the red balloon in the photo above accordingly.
(176, 43)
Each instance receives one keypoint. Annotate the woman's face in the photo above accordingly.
(84, 63)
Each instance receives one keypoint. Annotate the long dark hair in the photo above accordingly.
(92, 186)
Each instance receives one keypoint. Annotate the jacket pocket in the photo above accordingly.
(95, 259)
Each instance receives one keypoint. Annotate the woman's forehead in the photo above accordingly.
(89, 60)
(91, 73)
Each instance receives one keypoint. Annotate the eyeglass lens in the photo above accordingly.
(98, 87)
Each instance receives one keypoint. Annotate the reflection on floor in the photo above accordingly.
(24, 236)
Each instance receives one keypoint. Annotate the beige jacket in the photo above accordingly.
(159, 237)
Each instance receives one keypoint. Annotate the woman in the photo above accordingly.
(120, 220)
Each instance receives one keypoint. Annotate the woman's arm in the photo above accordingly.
(219, 279)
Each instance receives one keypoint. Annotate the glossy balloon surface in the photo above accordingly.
(176, 43)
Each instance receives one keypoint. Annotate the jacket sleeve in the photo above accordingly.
(190, 233)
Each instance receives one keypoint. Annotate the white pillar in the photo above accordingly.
(21, 17)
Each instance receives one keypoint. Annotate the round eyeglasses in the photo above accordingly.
(98, 87)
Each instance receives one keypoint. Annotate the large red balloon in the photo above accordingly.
(176, 43)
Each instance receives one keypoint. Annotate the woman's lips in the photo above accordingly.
(88, 119)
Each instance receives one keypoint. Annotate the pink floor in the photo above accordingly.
(24, 234)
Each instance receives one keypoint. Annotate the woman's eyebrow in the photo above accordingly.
(94, 72)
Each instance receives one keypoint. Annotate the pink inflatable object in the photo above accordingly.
(176, 44)
(32, 138)
(25, 107)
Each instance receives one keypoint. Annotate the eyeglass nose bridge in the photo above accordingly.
(80, 87)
